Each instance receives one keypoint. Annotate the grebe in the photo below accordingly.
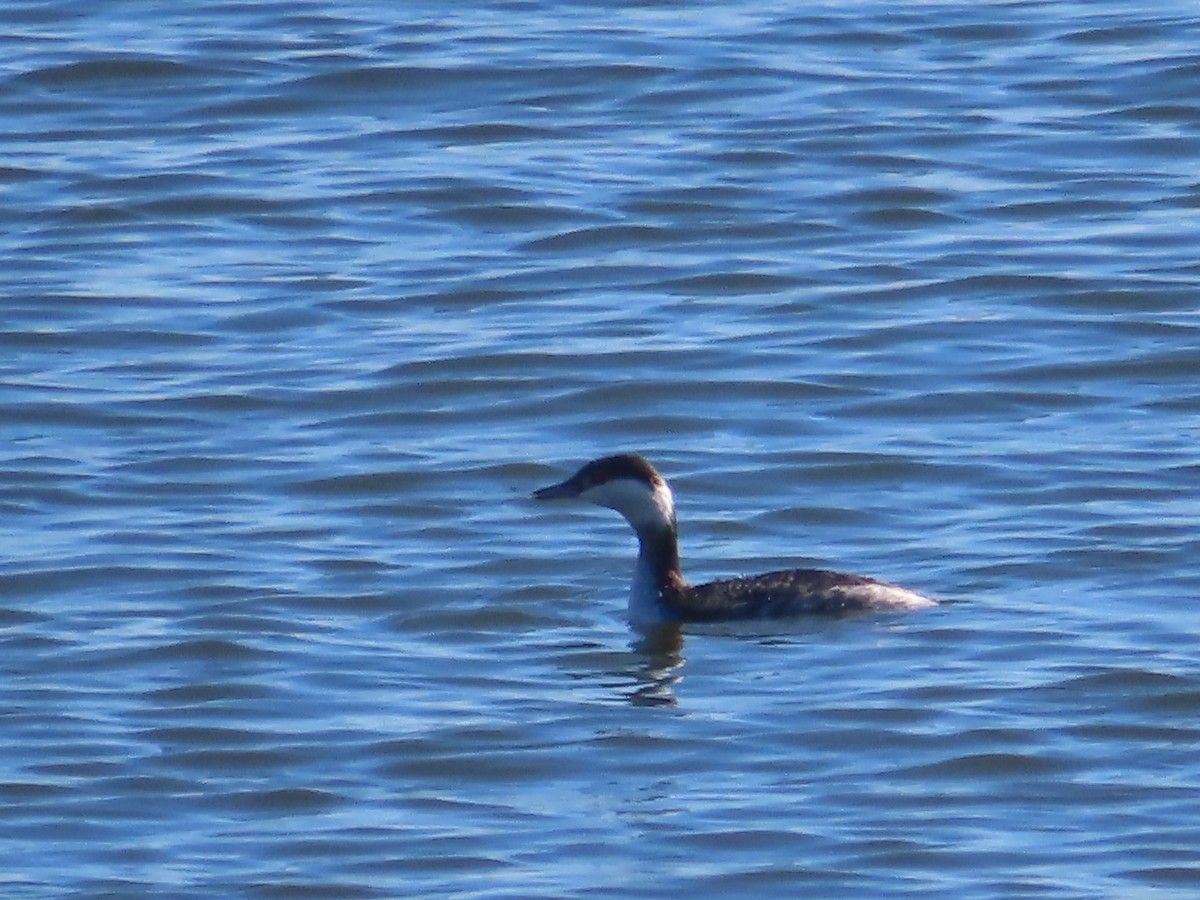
(631, 486)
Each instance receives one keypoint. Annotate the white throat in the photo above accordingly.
(650, 509)
(647, 508)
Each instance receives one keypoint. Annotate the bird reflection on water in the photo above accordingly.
(660, 651)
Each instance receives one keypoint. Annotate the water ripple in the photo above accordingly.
(300, 304)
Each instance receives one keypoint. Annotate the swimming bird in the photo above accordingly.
(659, 594)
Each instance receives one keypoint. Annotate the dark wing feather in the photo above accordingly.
(773, 595)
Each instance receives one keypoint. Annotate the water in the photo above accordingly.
(301, 300)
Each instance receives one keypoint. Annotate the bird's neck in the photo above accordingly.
(658, 573)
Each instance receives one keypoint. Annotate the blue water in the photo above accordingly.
(300, 300)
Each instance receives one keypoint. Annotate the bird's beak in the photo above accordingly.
(560, 491)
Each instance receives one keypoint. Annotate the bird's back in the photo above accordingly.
(787, 593)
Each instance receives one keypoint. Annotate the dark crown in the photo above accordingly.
(624, 465)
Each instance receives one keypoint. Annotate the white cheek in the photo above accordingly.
(664, 504)
(642, 507)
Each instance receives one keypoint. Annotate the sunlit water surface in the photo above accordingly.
(300, 300)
